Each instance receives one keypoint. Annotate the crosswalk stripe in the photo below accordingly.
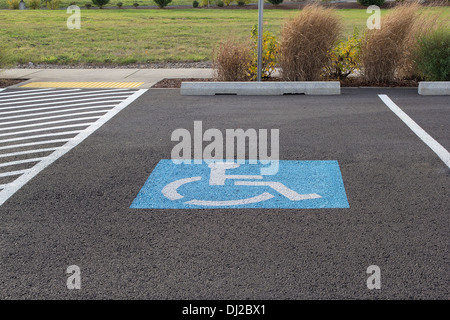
(53, 117)
(46, 129)
(13, 173)
(57, 111)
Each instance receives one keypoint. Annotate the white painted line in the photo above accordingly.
(27, 93)
(46, 129)
(13, 163)
(24, 91)
(422, 134)
(52, 98)
(47, 123)
(20, 153)
(3, 186)
(57, 111)
(64, 106)
(65, 133)
(14, 146)
(69, 101)
(12, 188)
(13, 173)
(53, 117)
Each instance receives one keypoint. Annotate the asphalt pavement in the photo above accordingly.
(76, 211)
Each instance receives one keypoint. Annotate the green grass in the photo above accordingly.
(131, 36)
(113, 3)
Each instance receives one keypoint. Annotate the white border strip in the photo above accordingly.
(422, 134)
(14, 186)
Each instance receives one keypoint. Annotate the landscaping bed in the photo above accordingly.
(10, 82)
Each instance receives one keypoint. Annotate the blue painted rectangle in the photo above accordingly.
(187, 186)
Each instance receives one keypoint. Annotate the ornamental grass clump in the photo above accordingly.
(231, 60)
(387, 53)
(306, 41)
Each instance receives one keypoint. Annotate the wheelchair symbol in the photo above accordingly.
(218, 177)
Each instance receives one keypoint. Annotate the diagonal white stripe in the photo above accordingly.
(65, 133)
(64, 106)
(70, 101)
(50, 122)
(13, 163)
(29, 144)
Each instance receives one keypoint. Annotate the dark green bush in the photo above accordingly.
(88, 5)
(432, 55)
(119, 5)
(276, 2)
(100, 3)
(241, 3)
(135, 5)
(195, 4)
(220, 3)
(370, 2)
(162, 3)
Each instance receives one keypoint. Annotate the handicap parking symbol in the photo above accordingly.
(297, 184)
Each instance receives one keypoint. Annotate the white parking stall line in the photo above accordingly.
(66, 112)
(45, 129)
(38, 136)
(52, 103)
(13, 173)
(24, 91)
(53, 112)
(20, 94)
(62, 107)
(29, 144)
(47, 123)
(13, 163)
(440, 151)
(21, 153)
(104, 104)
(52, 98)
(53, 117)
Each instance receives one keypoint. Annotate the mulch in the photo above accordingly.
(350, 82)
(10, 82)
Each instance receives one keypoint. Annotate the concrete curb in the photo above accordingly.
(260, 88)
(434, 88)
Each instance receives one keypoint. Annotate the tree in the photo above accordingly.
(100, 3)
(162, 3)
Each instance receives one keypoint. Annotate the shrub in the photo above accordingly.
(100, 3)
(13, 4)
(53, 4)
(220, 3)
(231, 60)
(34, 4)
(162, 3)
(195, 4)
(269, 54)
(228, 2)
(344, 58)
(386, 53)
(73, 3)
(119, 5)
(240, 3)
(135, 5)
(432, 55)
(88, 5)
(305, 42)
(370, 2)
(276, 2)
(204, 3)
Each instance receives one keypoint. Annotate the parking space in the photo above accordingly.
(90, 209)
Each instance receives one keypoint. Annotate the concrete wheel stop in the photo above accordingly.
(265, 88)
(434, 88)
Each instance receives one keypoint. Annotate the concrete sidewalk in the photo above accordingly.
(148, 76)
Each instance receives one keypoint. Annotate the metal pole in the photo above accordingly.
(260, 34)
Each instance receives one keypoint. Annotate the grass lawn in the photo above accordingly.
(112, 3)
(130, 36)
